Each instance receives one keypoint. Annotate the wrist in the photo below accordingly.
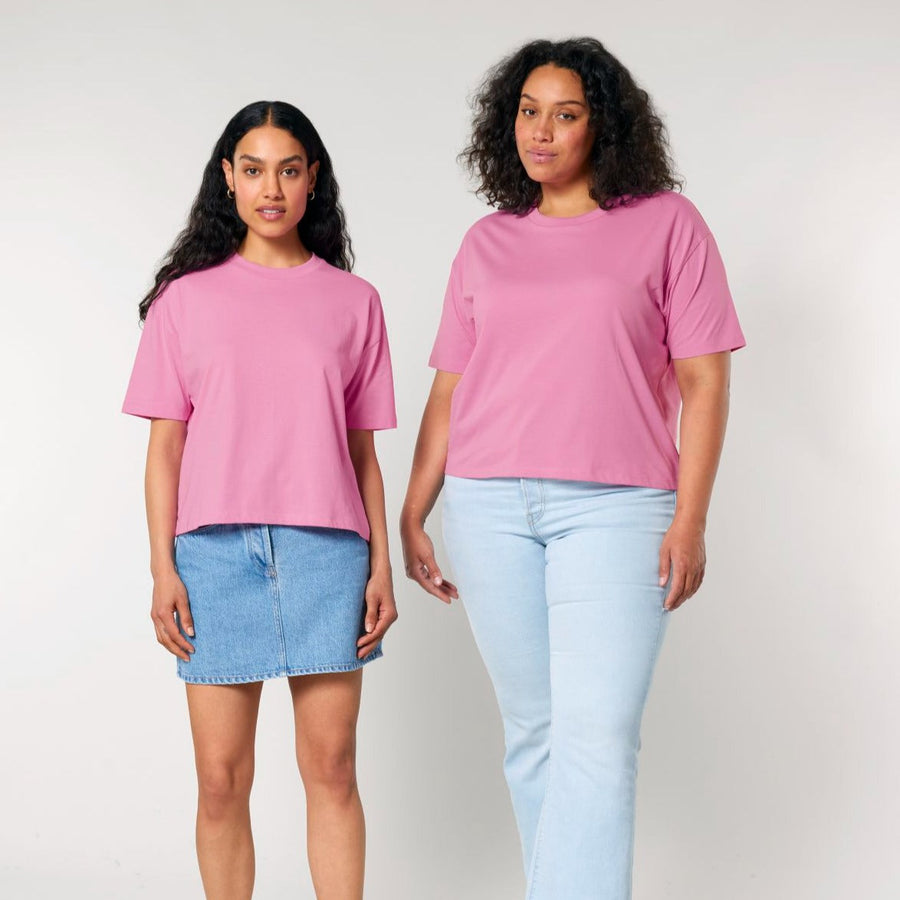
(689, 519)
(410, 520)
(163, 570)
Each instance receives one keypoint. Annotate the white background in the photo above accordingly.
(771, 739)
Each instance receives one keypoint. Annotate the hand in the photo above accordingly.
(683, 554)
(421, 567)
(169, 596)
(381, 612)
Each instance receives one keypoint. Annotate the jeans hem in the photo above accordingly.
(283, 672)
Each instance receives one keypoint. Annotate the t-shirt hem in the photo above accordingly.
(602, 476)
(152, 411)
(447, 365)
(705, 349)
(372, 426)
(297, 519)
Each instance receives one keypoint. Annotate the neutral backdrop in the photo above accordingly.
(771, 740)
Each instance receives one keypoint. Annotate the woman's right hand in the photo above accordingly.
(170, 596)
(421, 566)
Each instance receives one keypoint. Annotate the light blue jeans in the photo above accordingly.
(560, 581)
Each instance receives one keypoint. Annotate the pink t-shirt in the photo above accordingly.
(565, 331)
(269, 368)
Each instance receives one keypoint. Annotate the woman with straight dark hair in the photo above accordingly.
(264, 369)
(577, 319)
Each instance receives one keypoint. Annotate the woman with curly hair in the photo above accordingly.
(264, 369)
(577, 319)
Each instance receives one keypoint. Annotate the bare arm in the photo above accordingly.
(425, 482)
(161, 492)
(381, 610)
(704, 385)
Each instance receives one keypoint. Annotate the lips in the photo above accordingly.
(271, 213)
(541, 156)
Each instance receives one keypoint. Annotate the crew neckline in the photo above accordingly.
(538, 218)
(280, 273)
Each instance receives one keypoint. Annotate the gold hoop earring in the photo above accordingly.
(230, 194)
(312, 195)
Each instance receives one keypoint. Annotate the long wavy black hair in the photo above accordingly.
(630, 157)
(214, 229)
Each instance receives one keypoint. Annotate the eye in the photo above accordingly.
(567, 116)
(290, 171)
(251, 170)
(527, 112)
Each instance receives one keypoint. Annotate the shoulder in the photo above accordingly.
(343, 280)
(670, 209)
(356, 296)
(346, 285)
(489, 227)
(194, 284)
(166, 304)
(492, 223)
(184, 291)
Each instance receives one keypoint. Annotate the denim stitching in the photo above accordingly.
(276, 604)
(282, 672)
(533, 518)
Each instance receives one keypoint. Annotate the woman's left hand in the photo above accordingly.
(683, 556)
(381, 612)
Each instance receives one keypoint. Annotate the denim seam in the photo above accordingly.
(279, 625)
(248, 542)
(282, 672)
(663, 612)
(268, 549)
(539, 838)
(533, 518)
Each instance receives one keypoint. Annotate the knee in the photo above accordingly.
(610, 760)
(330, 770)
(527, 744)
(223, 786)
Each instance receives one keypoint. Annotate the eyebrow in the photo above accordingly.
(295, 158)
(558, 103)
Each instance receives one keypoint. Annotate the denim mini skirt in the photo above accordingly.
(272, 600)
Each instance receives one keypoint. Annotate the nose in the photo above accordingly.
(543, 129)
(272, 187)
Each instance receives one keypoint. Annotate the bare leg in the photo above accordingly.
(223, 724)
(325, 711)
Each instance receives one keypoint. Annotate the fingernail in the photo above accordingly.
(662, 580)
(438, 579)
(369, 628)
(190, 632)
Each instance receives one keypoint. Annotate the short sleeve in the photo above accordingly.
(455, 339)
(157, 389)
(369, 397)
(700, 314)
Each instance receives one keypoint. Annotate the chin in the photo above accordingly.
(541, 177)
(273, 234)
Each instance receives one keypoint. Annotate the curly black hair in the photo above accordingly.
(630, 155)
(214, 229)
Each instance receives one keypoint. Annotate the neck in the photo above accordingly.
(284, 252)
(565, 201)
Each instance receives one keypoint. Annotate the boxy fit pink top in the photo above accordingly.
(564, 330)
(269, 368)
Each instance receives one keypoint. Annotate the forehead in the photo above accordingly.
(553, 84)
(269, 142)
